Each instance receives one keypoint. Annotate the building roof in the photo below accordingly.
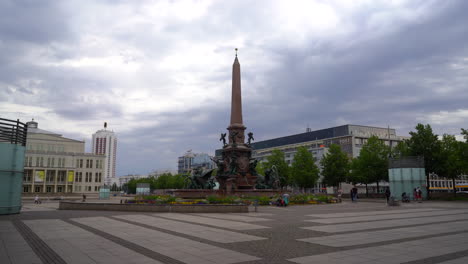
(303, 137)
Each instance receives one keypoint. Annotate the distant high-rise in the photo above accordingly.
(105, 143)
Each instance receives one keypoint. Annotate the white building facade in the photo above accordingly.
(57, 165)
(104, 143)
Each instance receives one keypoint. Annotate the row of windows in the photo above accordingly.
(53, 162)
(40, 161)
(46, 147)
(87, 188)
(89, 163)
(49, 189)
(61, 176)
(88, 177)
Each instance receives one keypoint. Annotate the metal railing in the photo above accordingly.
(13, 132)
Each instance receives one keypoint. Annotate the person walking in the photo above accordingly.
(36, 199)
(387, 194)
(84, 198)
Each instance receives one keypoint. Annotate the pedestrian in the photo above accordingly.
(84, 198)
(387, 194)
(286, 199)
(419, 194)
(340, 193)
(36, 199)
(354, 194)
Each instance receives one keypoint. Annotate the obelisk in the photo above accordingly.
(236, 125)
(236, 168)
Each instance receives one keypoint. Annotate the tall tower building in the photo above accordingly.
(105, 143)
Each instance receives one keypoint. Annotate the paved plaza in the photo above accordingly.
(363, 232)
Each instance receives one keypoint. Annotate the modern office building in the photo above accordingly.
(192, 160)
(350, 137)
(55, 164)
(105, 143)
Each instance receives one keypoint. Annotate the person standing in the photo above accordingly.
(419, 194)
(286, 199)
(354, 194)
(387, 194)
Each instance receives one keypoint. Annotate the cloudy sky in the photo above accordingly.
(159, 72)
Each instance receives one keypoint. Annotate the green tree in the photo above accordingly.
(277, 158)
(304, 172)
(425, 143)
(335, 166)
(372, 163)
(260, 168)
(464, 132)
(453, 158)
(400, 150)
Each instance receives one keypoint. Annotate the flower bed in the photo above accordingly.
(226, 200)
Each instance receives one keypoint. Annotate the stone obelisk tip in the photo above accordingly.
(236, 100)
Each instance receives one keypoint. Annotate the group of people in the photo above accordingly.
(417, 195)
(283, 200)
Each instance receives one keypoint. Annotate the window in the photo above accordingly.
(38, 161)
(80, 163)
(59, 189)
(30, 162)
(90, 163)
(37, 189)
(61, 176)
(27, 177)
(96, 188)
(63, 162)
(42, 161)
(50, 176)
(49, 189)
(98, 177)
(88, 177)
(59, 162)
(25, 189)
(79, 177)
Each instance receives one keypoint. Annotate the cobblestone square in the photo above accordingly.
(363, 232)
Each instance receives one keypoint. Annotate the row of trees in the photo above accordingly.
(164, 181)
(446, 157)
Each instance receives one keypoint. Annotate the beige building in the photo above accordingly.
(57, 165)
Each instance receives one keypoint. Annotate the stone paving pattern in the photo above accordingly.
(363, 232)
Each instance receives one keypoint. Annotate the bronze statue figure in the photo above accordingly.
(223, 138)
(251, 138)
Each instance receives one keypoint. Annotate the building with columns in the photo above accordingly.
(56, 165)
(105, 144)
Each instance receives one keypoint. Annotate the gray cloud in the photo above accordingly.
(162, 79)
